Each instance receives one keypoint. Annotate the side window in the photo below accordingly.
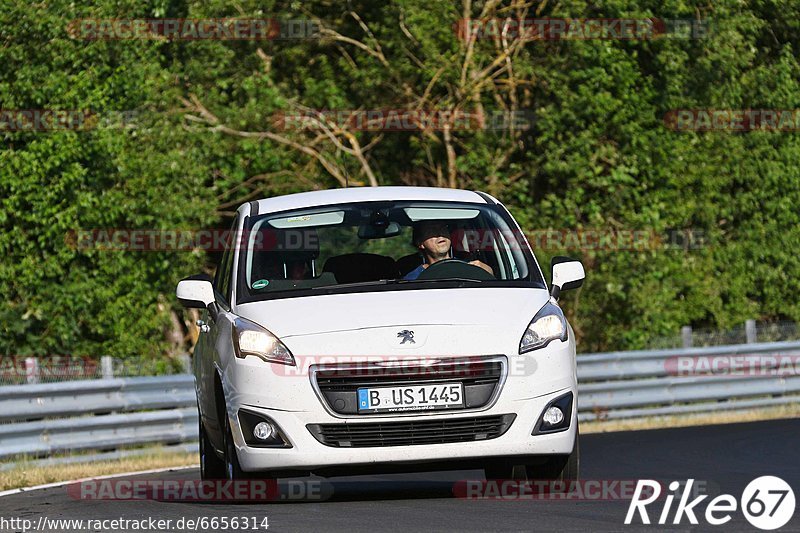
(222, 280)
(509, 256)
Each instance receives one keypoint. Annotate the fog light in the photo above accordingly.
(552, 417)
(263, 431)
(556, 416)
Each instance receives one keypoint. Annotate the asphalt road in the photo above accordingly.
(723, 458)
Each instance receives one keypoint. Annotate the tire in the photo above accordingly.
(506, 471)
(211, 466)
(557, 468)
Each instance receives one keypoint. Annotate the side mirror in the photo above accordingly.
(567, 273)
(195, 291)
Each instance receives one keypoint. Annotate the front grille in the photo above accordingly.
(339, 384)
(446, 430)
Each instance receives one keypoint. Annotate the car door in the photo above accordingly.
(213, 341)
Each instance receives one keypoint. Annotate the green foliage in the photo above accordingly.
(597, 157)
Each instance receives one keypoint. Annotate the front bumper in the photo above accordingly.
(307, 453)
(293, 404)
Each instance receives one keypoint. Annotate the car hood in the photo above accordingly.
(493, 309)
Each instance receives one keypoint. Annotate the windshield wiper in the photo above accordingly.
(445, 279)
(364, 283)
(391, 282)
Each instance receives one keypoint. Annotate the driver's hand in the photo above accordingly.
(482, 265)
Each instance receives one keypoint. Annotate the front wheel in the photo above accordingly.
(231, 469)
(562, 470)
(211, 466)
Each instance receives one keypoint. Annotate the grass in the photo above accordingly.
(695, 419)
(27, 473)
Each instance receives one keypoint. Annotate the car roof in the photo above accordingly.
(364, 194)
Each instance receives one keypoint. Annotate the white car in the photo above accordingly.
(383, 329)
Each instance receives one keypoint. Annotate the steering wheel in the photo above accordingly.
(455, 268)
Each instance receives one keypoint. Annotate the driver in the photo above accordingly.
(433, 240)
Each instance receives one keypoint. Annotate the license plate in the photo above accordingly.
(411, 398)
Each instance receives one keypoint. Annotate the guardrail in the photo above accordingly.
(644, 383)
(104, 415)
(98, 415)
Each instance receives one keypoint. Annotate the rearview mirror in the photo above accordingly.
(195, 291)
(379, 232)
(567, 273)
(379, 227)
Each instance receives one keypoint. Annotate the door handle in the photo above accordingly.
(203, 326)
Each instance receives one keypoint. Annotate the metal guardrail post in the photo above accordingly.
(686, 336)
(186, 362)
(32, 370)
(750, 331)
(107, 365)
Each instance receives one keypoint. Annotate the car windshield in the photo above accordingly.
(345, 247)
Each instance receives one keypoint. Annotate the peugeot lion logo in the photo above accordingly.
(407, 335)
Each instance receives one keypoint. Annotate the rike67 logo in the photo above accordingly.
(767, 503)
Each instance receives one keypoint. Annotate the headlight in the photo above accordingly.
(251, 339)
(548, 324)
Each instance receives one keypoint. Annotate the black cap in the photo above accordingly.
(425, 229)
